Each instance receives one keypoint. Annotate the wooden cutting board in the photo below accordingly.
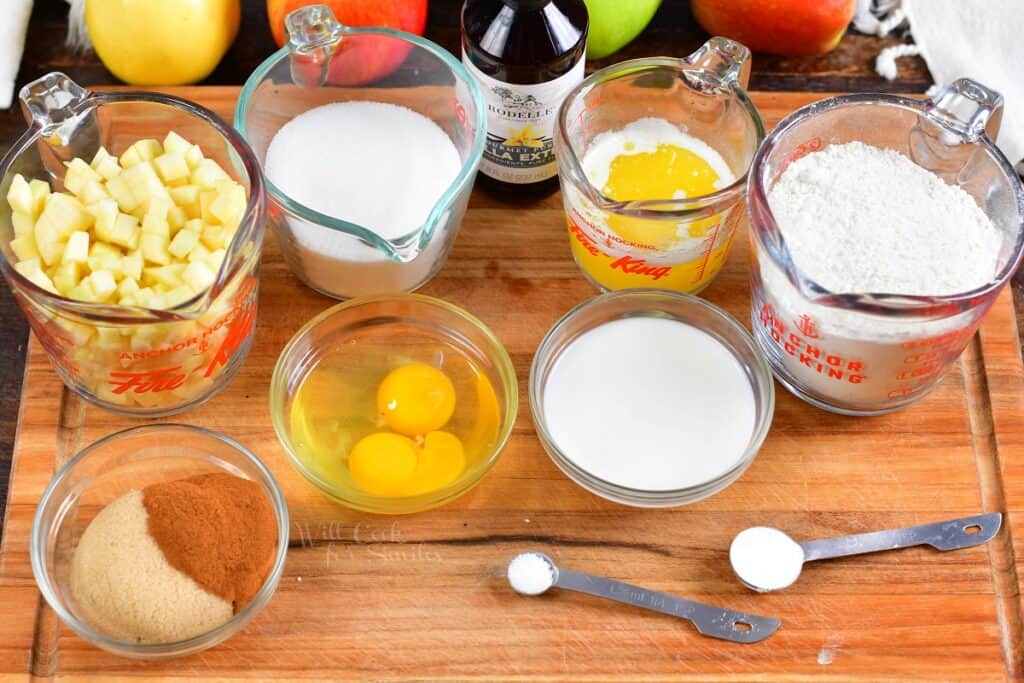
(423, 596)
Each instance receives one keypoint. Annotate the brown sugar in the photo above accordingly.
(218, 529)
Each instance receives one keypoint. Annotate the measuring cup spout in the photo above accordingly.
(313, 36)
(718, 65)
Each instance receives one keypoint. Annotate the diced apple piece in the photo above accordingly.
(131, 265)
(78, 175)
(49, 240)
(176, 218)
(22, 222)
(171, 168)
(198, 276)
(207, 173)
(32, 271)
(216, 236)
(193, 157)
(105, 164)
(67, 276)
(130, 157)
(186, 197)
(77, 249)
(127, 286)
(82, 292)
(24, 247)
(198, 253)
(206, 200)
(19, 196)
(149, 148)
(93, 192)
(184, 241)
(216, 258)
(126, 232)
(169, 276)
(178, 295)
(121, 192)
(104, 213)
(154, 248)
(175, 143)
(40, 195)
(103, 284)
(109, 339)
(155, 220)
(66, 213)
(229, 205)
(143, 182)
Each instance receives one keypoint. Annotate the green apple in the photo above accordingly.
(614, 23)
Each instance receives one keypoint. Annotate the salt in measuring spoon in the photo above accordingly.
(533, 573)
(767, 559)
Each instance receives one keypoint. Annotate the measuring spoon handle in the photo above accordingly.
(952, 534)
(738, 627)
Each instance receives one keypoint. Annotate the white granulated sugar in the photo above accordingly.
(857, 218)
(380, 166)
(530, 574)
(766, 559)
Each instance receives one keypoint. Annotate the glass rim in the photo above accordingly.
(465, 175)
(765, 230)
(250, 227)
(760, 379)
(37, 551)
(283, 376)
(668, 209)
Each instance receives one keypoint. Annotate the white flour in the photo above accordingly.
(380, 166)
(858, 219)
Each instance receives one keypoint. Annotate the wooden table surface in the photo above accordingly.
(672, 32)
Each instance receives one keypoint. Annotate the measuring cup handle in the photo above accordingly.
(718, 64)
(313, 35)
(51, 104)
(967, 109)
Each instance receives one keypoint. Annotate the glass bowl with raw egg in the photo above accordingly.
(650, 398)
(394, 404)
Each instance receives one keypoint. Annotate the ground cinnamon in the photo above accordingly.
(217, 528)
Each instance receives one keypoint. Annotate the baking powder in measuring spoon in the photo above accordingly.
(649, 403)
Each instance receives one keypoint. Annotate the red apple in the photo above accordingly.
(783, 27)
(360, 59)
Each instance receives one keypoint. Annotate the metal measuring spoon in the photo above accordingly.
(767, 559)
(738, 627)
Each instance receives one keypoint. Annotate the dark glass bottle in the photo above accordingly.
(525, 55)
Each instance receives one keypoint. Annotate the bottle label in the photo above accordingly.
(520, 124)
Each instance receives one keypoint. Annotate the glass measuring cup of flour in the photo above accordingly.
(621, 244)
(325, 62)
(864, 353)
(128, 359)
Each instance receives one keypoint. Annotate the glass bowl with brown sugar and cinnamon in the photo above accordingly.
(160, 541)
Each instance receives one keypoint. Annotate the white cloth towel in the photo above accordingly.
(14, 16)
(979, 39)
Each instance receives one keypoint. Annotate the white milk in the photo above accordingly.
(649, 403)
(380, 166)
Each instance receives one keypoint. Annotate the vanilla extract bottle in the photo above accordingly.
(526, 55)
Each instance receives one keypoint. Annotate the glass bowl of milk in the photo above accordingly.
(651, 398)
(369, 139)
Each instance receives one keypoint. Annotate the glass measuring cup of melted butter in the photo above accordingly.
(175, 348)
(864, 353)
(652, 158)
(370, 139)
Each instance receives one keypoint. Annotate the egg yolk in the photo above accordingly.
(669, 172)
(390, 465)
(415, 399)
(383, 464)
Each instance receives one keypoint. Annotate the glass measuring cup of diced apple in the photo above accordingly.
(130, 232)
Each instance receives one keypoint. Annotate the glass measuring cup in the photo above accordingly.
(128, 359)
(325, 62)
(667, 243)
(864, 353)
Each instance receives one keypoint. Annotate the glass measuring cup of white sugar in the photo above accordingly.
(863, 350)
(370, 139)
